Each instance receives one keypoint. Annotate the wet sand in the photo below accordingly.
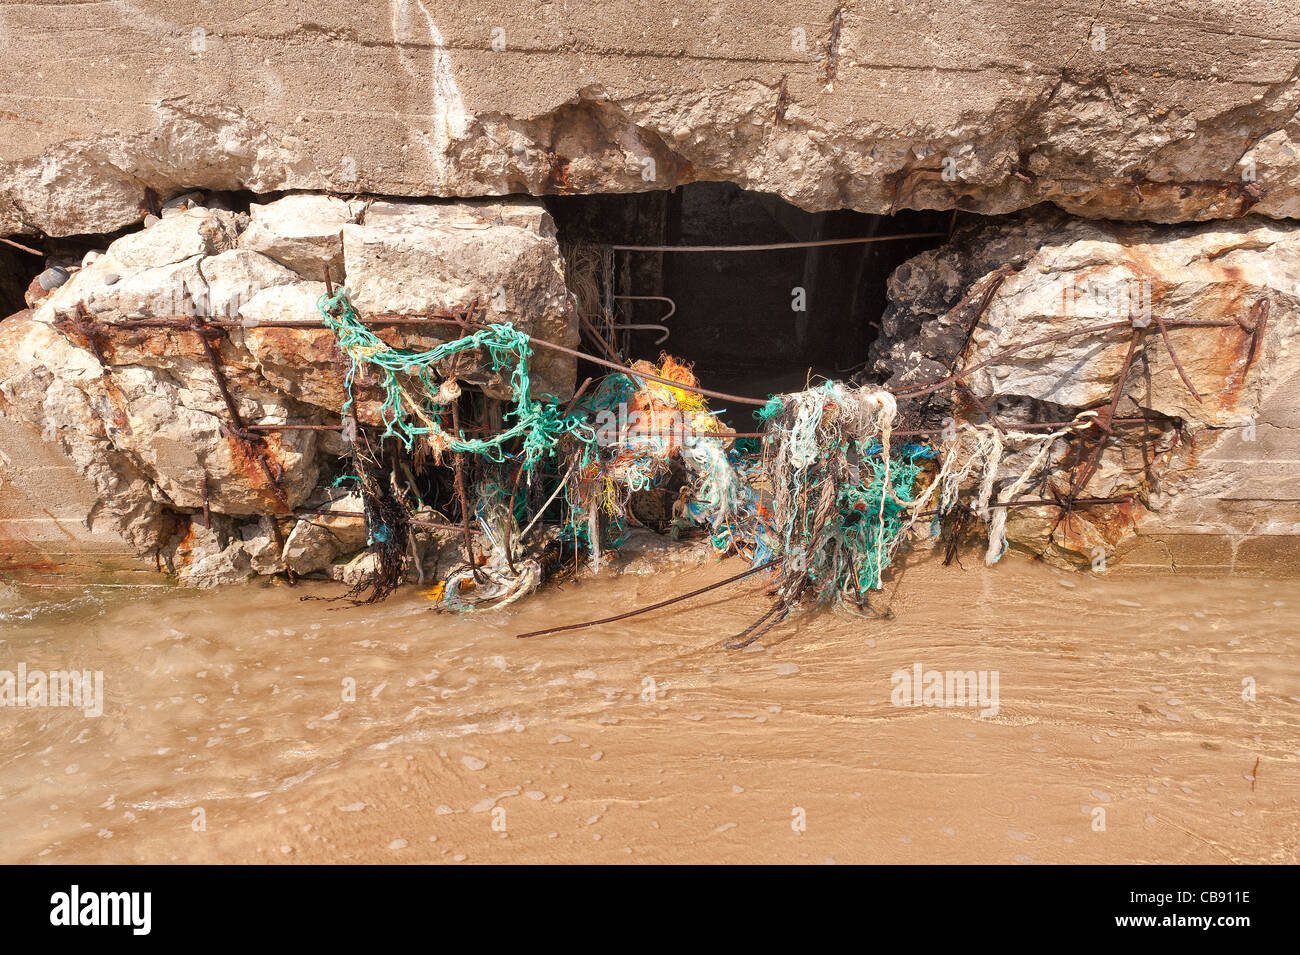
(226, 735)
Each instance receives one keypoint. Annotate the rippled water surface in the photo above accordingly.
(250, 725)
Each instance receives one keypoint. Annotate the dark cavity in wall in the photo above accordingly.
(17, 269)
(752, 322)
(21, 263)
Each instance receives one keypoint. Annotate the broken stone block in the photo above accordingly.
(285, 302)
(111, 292)
(196, 231)
(1216, 466)
(234, 277)
(302, 362)
(310, 547)
(301, 232)
(258, 540)
(142, 410)
(351, 572)
(418, 256)
(208, 558)
(319, 539)
(1088, 274)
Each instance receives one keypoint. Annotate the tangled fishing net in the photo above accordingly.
(504, 576)
(844, 496)
(840, 497)
(828, 500)
(643, 428)
(412, 410)
(414, 401)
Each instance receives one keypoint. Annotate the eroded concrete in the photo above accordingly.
(1164, 110)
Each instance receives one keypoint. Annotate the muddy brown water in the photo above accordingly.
(230, 731)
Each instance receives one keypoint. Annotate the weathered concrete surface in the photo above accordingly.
(1116, 108)
(139, 414)
(1220, 476)
(49, 508)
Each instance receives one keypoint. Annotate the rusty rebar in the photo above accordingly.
(1259, 311)
(772, 246)
(1032, 426)
(986, 298)
(833, 48)
(271, 428)
(435, 319)
(1045, 502)
(1173, 356)
(440, 317)
(19, 245)
(1103, 421)
(988, 412)
(655, 606)
(448, 318)
(598, 338)
(235, 429)
(577, 396)
(207, 516)
(918, 391)
(82, 327)
(214, 359)
(1015, 426)
(759, 627)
